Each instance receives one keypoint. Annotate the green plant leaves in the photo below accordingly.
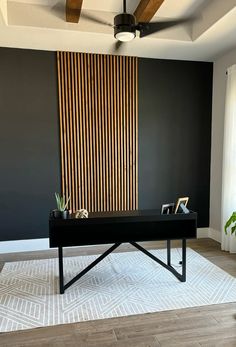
(233, 229)
(231, 220)
(61, 204)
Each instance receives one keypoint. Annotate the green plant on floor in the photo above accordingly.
(231, 220)
(62, 203)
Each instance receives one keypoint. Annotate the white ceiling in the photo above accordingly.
(40, 24)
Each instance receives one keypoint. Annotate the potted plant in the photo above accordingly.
(61, 211)
(232, 219)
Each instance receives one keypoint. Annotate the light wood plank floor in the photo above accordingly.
(206, 326)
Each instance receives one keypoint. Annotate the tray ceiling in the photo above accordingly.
(41, 24)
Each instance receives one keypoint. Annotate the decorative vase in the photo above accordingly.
(60, 214)
(64, 214)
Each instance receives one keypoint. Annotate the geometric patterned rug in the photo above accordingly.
(122, 284)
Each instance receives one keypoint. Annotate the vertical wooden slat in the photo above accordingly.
(133, 137)
(136, 132)
(80, 134)
(99, 134)
(73, 129)
(98, 116)
(124, 132)
(103, 114)
(77, 134)
(61, 113)
(63, 129)
(112, 134)
(86, 129)
(90, 138)
(130, 132)
(106, 132)
(116, 183)
(70, 135)
(93, 134)
(67, 167)
(118, 133)
(109, 131)
(67, 129)
(121, 135)
(127, 131)
(84, 134)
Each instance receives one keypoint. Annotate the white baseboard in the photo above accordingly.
(202, 233)
(43, 244)
(210, 233)
(24, 245)
(214, 234)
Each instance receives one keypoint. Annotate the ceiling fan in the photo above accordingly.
(125, 25)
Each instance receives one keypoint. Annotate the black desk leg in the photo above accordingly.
(168, 252)
(183, 260)
(181, 277)
(61, 275)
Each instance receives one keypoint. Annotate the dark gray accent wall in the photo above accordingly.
(29, 143)
(175, 100)
(174, 138)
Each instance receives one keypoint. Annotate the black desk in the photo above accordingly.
(120, 227)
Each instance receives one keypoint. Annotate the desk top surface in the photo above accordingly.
(136, 215)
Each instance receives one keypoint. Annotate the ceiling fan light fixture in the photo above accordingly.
(125, 36)
(124, 27)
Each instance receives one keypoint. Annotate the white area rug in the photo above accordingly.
(122, 284)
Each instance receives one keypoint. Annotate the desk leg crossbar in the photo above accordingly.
(168, 266)
(83, 272)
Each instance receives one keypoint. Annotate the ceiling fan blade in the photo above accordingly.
(153, 27)
(95, 19)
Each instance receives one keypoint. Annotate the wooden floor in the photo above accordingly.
(206, 326)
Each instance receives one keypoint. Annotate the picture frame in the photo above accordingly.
(167, 208)
(184, 201)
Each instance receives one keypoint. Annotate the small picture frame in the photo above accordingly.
(180, 201)
(167, 208)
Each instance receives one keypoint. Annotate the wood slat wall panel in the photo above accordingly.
(98, 105)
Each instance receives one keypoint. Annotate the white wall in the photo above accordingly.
(218, 105)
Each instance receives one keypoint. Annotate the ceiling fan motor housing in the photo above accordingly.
(124, 23)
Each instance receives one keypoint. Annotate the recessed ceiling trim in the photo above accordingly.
(210, 15)
(3, 10)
